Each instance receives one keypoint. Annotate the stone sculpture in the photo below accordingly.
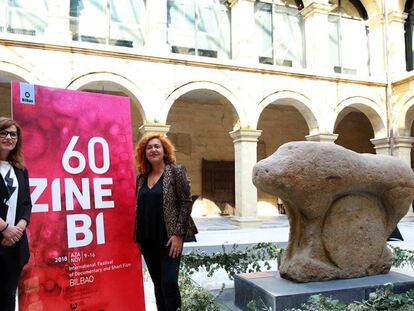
(341, 206)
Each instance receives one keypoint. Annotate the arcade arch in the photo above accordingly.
(189, 87)
(354, 131)
(113, 84)
(358, 121)
(284, 117)
(298, 101)
(404, 127)
(6, 77)
(200, 121)
(374, 112)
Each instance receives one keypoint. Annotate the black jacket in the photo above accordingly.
(23, 211)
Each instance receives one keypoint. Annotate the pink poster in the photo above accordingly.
(78, 150)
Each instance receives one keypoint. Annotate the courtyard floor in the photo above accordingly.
(217, 231)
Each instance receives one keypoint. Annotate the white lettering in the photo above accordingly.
(40, 185)
(105, 155)
(100, 229)
(83, 197)
(99, 193)
(70, 153)
(56, 202)
(83, 229)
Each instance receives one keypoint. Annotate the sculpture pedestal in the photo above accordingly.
(280, 294)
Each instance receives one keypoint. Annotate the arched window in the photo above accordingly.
(280, 32)
(199, 27)
(114, 22)
(26, 17)
(348, 38)
(409, 27)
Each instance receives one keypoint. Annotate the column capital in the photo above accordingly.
(402, 148)
(381, 145)
(376, 21)
(396, 16)
(317, 8)
(241, 135)
(324, 138)
(154, 128)
(403, 141)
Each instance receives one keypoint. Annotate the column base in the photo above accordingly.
(246, 222)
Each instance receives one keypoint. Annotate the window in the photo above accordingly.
(409, 46)
(26, 17)
(348, 42)
(111, 22)
(199, 27)
(409, 28)
(280, 35)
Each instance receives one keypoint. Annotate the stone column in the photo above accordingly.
(156, 26)
(376, 45)
(317, 36)
(58, 22)
(154, 128)
(402, 148)
(245, 148)
(396, 41)
(382, 145)
(243, 28)
(324, 138)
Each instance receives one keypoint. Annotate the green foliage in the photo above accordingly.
(194, 297)
(402, 257)
(382, 299)
(258, 306)
(385, 299)
(234, 261)
(321, 303)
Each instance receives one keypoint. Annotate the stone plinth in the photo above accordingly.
(280, 294)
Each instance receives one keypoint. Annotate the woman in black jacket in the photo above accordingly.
(163, 216)
(15, 210)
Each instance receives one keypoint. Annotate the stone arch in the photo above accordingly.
(404, 115)
(402, 4)
(18, 71)
(296, 100)
(202, 85)
(373, 7)
(125, 84)
(375, 115)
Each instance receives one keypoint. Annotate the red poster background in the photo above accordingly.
(111, 272)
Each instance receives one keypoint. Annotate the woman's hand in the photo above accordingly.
(175, 243)
(12, 235)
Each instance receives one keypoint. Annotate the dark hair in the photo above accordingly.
(143, 166)
(15, 156)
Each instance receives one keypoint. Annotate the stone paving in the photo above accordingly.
(217, 231)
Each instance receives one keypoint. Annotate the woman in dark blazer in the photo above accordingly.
(163, 217)
(15, 210)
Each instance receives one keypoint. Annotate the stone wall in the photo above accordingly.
(355, 132)
(280, 124)
(5, 98)
(200, 129)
